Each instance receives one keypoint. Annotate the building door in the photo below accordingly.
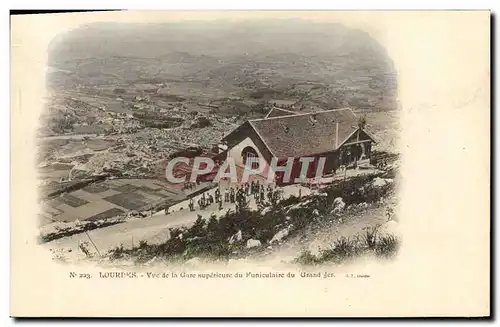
(349, 155)
(250, 158)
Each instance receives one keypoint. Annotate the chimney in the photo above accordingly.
(336, 135)
(312, 119)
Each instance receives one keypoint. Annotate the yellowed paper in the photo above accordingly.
(438, 124)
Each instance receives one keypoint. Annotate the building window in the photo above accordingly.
(250, 158)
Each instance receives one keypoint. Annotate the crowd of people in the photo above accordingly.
(238, 195)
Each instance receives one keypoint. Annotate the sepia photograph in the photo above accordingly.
(250, 147)
(236, 115)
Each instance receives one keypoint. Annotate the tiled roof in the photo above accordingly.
(306, 134)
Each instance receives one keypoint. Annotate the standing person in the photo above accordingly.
(191, 204)
(210, 199)
(244, 194)
(276, 196)
(217, 194)
(231, 196)
(238, 194)
(275, 193)
(262, 194)
(220, 205)
(226, 195)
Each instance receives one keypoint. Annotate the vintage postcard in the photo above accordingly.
(250, 163)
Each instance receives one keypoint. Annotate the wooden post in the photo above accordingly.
(95, 246)
(345, 176)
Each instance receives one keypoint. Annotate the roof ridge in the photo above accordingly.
(282, 109)
(301, 114)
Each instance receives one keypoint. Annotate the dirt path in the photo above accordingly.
(323, 236)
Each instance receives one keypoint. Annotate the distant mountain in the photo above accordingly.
(273, 57)
(218, 38)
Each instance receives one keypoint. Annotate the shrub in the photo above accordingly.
(174, 246)
(264, 227)
(357, 190)
(306, 258)
(343, 249)
(198, 229)
(290, 201)
(213, 228)
(206, 247)
(116, 253)
(370, 238)
(373, 194)
(387, 246)
(176, 231)
(346, 249)
(301, 217)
